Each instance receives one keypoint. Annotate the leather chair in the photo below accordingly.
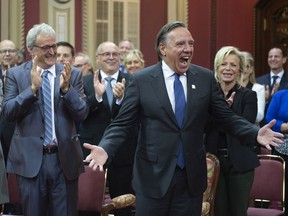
(91, 194)
(213, 172)
(267, 194)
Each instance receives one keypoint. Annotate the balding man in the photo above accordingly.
(8, 56)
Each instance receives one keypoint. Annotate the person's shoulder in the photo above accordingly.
(257, 86)
(149, 70)
(124, 75)
(88, 77)
(264, 76)
(195, 67)
(247, 90)
(25, 66)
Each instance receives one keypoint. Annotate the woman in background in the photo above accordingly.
(249, 81)
(134, 61)
(237, 159)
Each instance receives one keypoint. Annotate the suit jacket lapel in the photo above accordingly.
(192, 83)
(158, 83)
(58, 69)
(27, 79)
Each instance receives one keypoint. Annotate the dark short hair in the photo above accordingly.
(162, 34)
(67, 44)
(284, 51)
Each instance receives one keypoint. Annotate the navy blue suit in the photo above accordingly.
(147, 101)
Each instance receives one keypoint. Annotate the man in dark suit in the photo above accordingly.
(170, 173)
(102, 114)
(45, 151)
(8, 59)
(277, 78)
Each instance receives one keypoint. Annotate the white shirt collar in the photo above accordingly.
(114, 76)
(51, 69)
(280, 74)
(167, 71)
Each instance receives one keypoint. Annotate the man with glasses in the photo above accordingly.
(45, 99)
(8, 56)
(104, 103)
(8, 59)
(82, 62)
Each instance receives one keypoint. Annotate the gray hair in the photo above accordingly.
(162, 35)
(38, 29)
(85, 56)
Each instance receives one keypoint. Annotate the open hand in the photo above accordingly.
(36, 79)
(97, 156)
(65, 77)
(267, 137)
(99, 87)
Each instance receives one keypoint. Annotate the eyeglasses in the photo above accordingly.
(46, 48)
(108, 54)
(79, 65)
(10, 51)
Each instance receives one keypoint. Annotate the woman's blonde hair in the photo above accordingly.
(249, 60)
(223, 53)
(133, 53)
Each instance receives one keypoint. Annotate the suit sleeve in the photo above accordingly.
(17, 104)
(75, 99)
(117, 132)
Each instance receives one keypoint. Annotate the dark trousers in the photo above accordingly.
(232, 196)
(48, 190)
(176, 202)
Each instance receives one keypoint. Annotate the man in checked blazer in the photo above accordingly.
(47, 173)
(162, 187)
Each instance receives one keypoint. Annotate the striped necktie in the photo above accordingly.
(46, 91)
(109, 91)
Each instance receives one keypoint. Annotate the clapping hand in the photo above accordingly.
(65, 77)
(36, 79)
(99, 87)
(119, 88)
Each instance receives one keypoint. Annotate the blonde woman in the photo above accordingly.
(134, 61)
(237, 157)
(249, 81)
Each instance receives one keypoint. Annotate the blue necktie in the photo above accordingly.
(46, 91)
(109, 91)
(180, 105)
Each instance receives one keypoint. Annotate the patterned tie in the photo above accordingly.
(46, 91)
(180, 105)
(109, 91)
(274, 77)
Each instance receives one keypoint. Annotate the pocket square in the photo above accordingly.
(193, 86)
